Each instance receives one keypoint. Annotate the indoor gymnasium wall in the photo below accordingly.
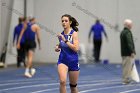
(130, 9)
(17, 10)
(107, 12)
(30, 7)
(48, 13)
(0, 30)
(115, 13)
(111, 12)
(5, 21)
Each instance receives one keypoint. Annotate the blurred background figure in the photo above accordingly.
(128, 53)
(21, 51)
(31, 33)
(97, 29)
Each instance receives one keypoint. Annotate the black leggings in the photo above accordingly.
(21, 55)
(97, 48)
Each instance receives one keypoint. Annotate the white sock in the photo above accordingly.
(27, 70)
(33, 71)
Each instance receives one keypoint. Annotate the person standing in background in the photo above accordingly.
(30, 31)
(97, 29)
(21, 51)
(128, 54)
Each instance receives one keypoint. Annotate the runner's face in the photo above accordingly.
(65, 22)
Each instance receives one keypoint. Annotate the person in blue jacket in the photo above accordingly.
(97, 29)
(21, 51)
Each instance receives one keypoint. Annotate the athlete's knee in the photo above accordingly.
(73, 88)
(62, 82)
(73, 85)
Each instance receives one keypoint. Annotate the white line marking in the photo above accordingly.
(15, 83)
(45, 90)
(29, 86)
(26, 79)
(107, 82)
(30, 81)
(96, 81)
(25, 82)
(89, 90)
(68, 87)
(130, 91)
(98, 84)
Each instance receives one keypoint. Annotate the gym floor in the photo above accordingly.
(94, 78)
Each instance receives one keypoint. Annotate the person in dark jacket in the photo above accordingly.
(128, 53)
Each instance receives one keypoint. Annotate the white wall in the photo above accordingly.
(106, 10)
(5, 15)
(111, 13)
(131, 10)
(16, 11)
(5, 20)
(30, 7)
(0, 28)
(49, 12)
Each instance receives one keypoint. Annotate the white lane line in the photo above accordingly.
(29, 86)
(26, 79)
(68, 87)
(25, 82)
(98, 81)
(109, 82)
(97, 84)
(42, 79)
(89, 90)
(7, 84)
(95, 79)
(39, 79)
(134, 90)
(20, 83)
(45, 90)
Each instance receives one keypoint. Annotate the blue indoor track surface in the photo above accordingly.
(94, 78)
